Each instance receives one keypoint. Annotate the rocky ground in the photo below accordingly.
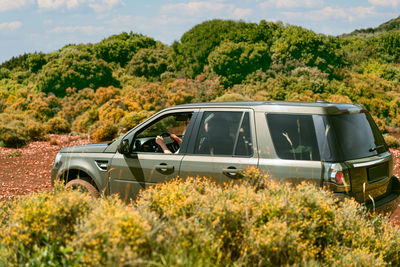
(26, 170)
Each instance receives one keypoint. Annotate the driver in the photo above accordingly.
(174, 137)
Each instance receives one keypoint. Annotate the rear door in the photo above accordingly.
(222, 144)
(288, 147)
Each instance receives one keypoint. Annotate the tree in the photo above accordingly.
(234, 61)
(296, 43)
(190, 55)
(36, 61)
(77, 69)
(150, 62)
(121, 48)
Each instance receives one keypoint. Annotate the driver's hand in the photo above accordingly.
(160, 140)
(176, 138)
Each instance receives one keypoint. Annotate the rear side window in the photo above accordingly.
(224, 133)
(293, 136)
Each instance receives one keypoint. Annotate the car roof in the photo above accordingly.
(318, 107)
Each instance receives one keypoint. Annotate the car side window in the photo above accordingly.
(176, 124)
(224, 133)
(293, 136)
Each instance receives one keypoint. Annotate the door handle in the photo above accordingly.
(232, 172)
(164, 168)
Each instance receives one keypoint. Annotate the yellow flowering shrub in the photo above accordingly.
(113, 235)
(195, 222)
(103, 131)
(38, 222)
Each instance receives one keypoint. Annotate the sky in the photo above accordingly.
(28, 26)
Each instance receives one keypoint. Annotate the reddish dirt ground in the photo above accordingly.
(26, 170)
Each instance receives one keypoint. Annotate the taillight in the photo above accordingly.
(336, 177)
(339, 177)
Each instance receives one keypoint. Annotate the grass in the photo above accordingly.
(14, 154)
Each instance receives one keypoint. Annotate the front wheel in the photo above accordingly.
(83, 186)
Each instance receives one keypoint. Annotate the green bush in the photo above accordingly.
(231, 97)
(83, 122)
(103, 131)
(132, 119)
(391, 141)
(234, 61)
(150, 62)
(58, 125)
(122, 47)
(18, 129)
(75, 67)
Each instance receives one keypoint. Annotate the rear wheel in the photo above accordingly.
(83, 186)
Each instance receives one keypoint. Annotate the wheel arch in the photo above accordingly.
(77, 173)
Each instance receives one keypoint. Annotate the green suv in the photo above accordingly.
(336, 146)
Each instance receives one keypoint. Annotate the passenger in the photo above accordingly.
(215, 139)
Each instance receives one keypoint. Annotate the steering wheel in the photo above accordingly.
(165, 134)
(173, 145)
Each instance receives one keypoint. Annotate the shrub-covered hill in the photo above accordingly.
(196, 223)
(107, 87)
(391, 25)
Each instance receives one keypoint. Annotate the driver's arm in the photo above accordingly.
(174, 137)
(160, 142)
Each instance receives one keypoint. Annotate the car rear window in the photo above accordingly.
(349, 136)
(293, 136)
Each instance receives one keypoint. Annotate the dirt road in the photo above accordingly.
(27, 169)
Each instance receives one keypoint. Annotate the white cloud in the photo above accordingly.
(203, 9)
(193, 8)
(55, 4)
(48, 22)
(240, 13)
(97, 5)
(104, 5)
(292, 3)
(392, 3)
(349, 14)
(6, 5)
(76, 29)
(10, 25)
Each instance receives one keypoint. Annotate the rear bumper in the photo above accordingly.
(390, 202)
(385, 205)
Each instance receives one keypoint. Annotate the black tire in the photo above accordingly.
(83, 186)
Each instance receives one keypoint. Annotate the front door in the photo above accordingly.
(150, 162)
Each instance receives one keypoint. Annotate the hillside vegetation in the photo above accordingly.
(106, 88)
(257, 222)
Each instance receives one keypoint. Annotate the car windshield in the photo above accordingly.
(348, 136)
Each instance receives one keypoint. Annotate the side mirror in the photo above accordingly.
(123, 147)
